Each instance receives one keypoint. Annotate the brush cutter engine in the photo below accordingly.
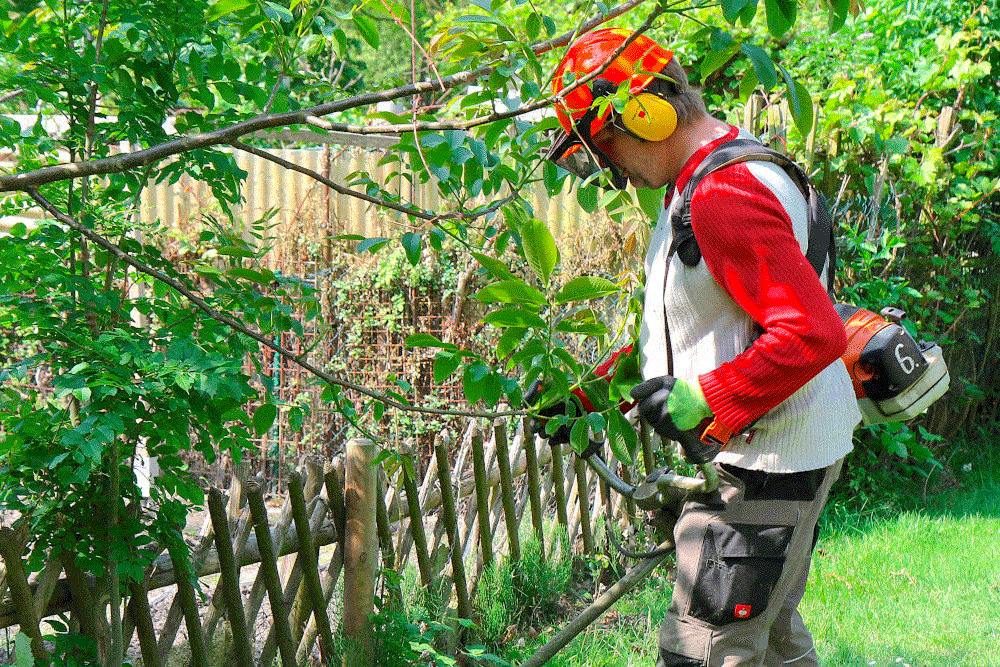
(895, 377)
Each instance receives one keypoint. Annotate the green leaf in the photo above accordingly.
(597, 422)
(373, 244)
(626, 376)
(295, 418)
(411, 245)
(263, 418)
(508, 341)
(236, 251)
(260, 277)
(445, 363)
(10, 127)
(587, 196)
(494, 266)
(802, 111)
(473, 382)
(539, 249)
(277, 13)
(579, 436)
(780, 15)
(731, 9)
(763, 67)
(896, 446)
(747, 84)
(426, 340)
(533, 26)
(223, 7)
(715, 59)
(584, 288)
(22, 646)
(515, 317)
(651, 202)
(367, 28)
(511, 291)
(622, 438)
(838, 14)
(583, 322)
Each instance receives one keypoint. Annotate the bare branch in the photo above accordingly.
(232, 323)
(315, 175)
(416, 213)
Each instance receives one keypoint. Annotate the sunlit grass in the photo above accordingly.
(919, 588)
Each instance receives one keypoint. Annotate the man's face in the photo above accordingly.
(634, 157)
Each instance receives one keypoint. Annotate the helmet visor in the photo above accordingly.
(582, 158)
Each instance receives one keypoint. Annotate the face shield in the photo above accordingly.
(581, 157)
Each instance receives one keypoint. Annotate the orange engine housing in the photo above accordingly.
(861, 326)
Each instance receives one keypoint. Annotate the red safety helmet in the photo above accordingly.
(580, 119)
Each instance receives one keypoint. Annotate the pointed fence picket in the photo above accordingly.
(477, 500)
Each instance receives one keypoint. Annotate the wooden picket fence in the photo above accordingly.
(343, 517)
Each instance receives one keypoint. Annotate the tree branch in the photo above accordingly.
(333, 185)
(6, 97)
(416, 213)
(32, 180)
(232, 323)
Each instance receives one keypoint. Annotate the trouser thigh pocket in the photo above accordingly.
(740, 566)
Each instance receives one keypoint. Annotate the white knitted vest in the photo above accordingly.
(810, 429)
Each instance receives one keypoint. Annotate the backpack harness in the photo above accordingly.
(895, 377)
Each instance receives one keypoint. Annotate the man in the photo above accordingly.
(742, 345)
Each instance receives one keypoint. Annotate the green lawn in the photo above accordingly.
(914, 588)
(919, 588)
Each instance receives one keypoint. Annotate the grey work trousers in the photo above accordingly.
(743, 556)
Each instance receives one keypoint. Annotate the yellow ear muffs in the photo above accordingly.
(649, 117)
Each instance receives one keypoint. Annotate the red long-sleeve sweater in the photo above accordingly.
(760, 265)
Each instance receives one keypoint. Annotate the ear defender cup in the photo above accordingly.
(649, 117)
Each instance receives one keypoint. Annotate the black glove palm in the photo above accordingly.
(662, 400)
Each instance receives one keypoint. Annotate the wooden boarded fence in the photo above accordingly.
(468, 509)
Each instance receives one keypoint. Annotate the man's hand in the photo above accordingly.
(676, 410)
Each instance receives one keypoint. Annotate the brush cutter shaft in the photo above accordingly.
(660, 486)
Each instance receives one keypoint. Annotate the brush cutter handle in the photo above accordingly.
(659, 486)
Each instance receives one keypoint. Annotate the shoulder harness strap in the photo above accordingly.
(821, 244)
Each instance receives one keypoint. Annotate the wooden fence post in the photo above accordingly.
(534, 487)
(507, 488)
(384, 531)
(269, 570)
(451, 526)
(310, 567)
(188, 604)
(417, 526)
(559, 484)
(230, 577)
(583, 493)
(482, 497)
(142, 617)
(360, 551)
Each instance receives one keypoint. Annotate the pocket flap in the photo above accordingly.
(752, 541)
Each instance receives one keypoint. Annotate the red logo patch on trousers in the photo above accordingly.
(742, 611)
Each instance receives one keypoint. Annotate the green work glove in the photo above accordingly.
(676, 410)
